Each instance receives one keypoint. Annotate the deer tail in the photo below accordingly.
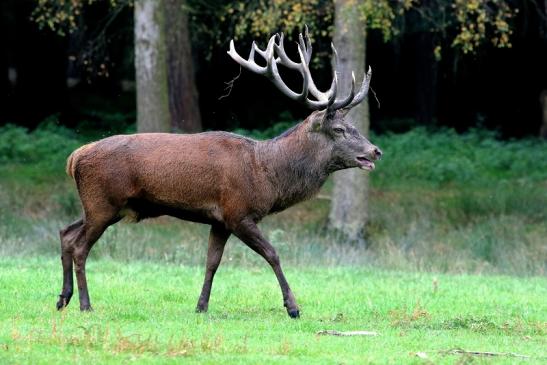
(72, 160)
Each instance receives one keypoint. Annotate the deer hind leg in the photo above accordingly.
(68, 235)
(76, 241)
(217, 240)
(248, 232)
(76, 244)
(96, 222)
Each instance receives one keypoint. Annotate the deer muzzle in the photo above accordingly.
(366, 161)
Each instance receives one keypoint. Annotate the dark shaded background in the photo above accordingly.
(495, 88)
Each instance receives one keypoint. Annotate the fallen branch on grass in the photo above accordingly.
(481, 353)
(347, 333)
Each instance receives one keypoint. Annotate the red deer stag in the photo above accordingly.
(218, 178)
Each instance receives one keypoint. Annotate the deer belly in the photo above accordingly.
(139, 209)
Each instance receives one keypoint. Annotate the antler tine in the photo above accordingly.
(273, 74)
(264, 53)
(252, 52)
(343, 103)
(286, 61)
(307, 45)
(332, 91)
(306, 76)
(334, 86)
(363, 91)
(248, 64)
(283, 58)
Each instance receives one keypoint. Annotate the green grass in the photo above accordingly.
(144, 313)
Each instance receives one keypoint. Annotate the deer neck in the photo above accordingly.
(296, 164)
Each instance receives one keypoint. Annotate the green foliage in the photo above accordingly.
(97, 124)
(144, 314)
(64, 17)
(285, 122)
(61, 16)
(47, 147)
(464, 24)
(476, 19)
(261, 18)
(445, 157)
(49, 143)
(382, 15)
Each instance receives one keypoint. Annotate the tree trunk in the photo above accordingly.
(183, 95)
(151, 67)
(348, 211)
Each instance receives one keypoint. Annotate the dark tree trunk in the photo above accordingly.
(75, 41)
(183, 95)
(543, 103)
(7, 69)
(348, 212)
(426, 79)
(6, 11)
(543, 95)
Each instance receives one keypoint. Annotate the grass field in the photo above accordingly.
(144, 313)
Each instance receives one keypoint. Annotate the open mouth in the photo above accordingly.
(365, 163)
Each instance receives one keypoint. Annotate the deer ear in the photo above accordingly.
(344, 111)
(318, 120)
(322, 118)
(316, 125)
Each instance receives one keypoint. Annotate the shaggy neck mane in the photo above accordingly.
(296, 163)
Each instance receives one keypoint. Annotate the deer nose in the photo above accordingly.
(377, 153)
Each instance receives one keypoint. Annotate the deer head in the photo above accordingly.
(349, 148)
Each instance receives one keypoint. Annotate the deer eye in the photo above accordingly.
(338, 130)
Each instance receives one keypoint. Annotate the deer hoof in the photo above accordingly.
(62, 302)
(293, 313)
(201, 308)
(86, 308)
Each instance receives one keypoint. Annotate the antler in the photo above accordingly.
(324, 100)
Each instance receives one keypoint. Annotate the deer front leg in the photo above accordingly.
(248, 232)
(217, 240)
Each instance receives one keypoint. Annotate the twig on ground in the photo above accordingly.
(481, 353)
(422, 355)
(347, 333)
(323, 196)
